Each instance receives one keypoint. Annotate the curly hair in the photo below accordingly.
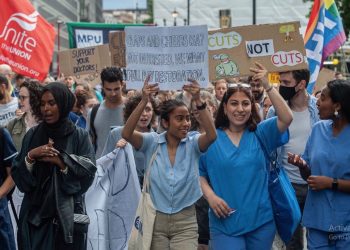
(222, 121)
(35, 92)
(111, 74)
(132, 103)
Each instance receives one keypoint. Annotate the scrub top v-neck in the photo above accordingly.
(238, 175)
(328, 155)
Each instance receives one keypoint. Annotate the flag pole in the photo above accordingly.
(343, 67)
(59, 22)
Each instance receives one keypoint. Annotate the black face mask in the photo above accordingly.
(287, 92)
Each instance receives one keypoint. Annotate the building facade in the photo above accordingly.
(59, 12)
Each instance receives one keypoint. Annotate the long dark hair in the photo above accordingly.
(222, 121)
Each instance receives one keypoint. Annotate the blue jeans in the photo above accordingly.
(322, 240)
(261, 238)
(7, 238)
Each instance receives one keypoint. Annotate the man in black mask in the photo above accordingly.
(293, 82)
(292, 88)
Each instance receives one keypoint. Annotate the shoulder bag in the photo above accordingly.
(285, 205)
(142, 230)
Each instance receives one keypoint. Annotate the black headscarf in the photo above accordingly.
(65, 101)
(59, 132)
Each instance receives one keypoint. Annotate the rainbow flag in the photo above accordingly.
(324, 35)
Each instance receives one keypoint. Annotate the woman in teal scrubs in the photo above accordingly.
(326, 168)
(240, 215)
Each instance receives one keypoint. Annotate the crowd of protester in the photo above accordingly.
(208, 173)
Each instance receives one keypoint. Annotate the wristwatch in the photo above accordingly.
(335, 184)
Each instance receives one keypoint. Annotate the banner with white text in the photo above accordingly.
(26, 40)
(170, 55)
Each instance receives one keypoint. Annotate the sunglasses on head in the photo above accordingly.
(238, 85)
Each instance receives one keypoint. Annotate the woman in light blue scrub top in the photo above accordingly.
(325, 166)
(233, 170)
(174, 180)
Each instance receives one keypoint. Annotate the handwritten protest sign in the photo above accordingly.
(117, 48)
(274, 78)
(170, 55)
(92, 79)
(232, 51)
(84, 61)
(324, 76)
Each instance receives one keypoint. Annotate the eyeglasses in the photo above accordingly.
(22, 97)
(238, 85)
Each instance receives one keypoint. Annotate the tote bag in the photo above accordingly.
(142, 229)
(285, 205)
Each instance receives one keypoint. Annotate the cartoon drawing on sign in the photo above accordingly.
(226, 67)
(287, 29)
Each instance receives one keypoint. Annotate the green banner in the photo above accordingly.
(91, 34)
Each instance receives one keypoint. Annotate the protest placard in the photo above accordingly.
(92, 79)
(232, 51)
(274, 78)
(117, 48)
(170, 55)
(324, 76)
(84, 61)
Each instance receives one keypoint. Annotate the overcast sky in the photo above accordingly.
(124, 4)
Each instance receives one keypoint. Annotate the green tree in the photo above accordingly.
(344, 10)
(150, 12)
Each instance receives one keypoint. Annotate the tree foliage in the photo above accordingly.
(344, 10)
(150, 12)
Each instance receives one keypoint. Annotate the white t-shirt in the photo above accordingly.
(299, 132)
(8, 111)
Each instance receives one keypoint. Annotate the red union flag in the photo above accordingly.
(26, 39)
